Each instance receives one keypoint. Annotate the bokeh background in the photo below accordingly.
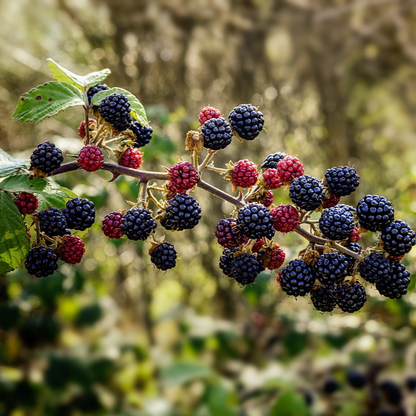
(336, 82)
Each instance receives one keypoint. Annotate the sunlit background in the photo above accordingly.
(336, 82)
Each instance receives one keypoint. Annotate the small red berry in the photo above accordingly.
(72, 249)
(290, 168)
(90, 158)
(355, 235)
(257, 246)
(331, 201)
(245, 174)
(273, 257)
(207, 113)
(228, 233)
(131, 158)
(286, 218)
(272, 179)
(183, 176)
(26, 203)
(266, 199)
(81, 128)
(170, 190)
(112, 225)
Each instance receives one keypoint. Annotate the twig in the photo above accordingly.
(207, 159)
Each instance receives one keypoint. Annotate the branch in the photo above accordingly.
(220, 194)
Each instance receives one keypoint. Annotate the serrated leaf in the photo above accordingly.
(47, 100)
(183, 372)
(23, 183)
(51, 201)
(137, 110)
(10, 165)
(14, 239)
(62, 74)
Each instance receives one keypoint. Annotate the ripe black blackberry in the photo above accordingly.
(41, 261)
(324, 298)
(356, 379)
(395, 284)
(217, 133)
(336, 223)
(375, 212)
(228, 233)
(246, 121)
(245, 268)
(374, 268)
(306, 192)
(138, 224)
(330, 386)
(46, 157)
(143, 134)
(115, 109)
(164, 256)
(79, 213)
(351, 297)
(272, 160)
(52, 222)
(94, 90)
(331, 268)
(225, 261)
(356, 248)
(182, 213)
(391, 392)
(398, 238)
(297, 278)
(255, 221)
(342, 180)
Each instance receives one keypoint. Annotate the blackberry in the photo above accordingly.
(52, 222)
(93, 90)
(182, 213)
(41, 261)
(255, 221)
(356, 248)
(79, 214)
(331, 268)
(246, 121)
(245, 268)
(228, 233)
(290, 168)
(115, 109)
(330, 386)
(297, 278)
(306, 192)
(90, 158)
(272, 160)
(46, 157)
(375, 212)
(398, 238)
(351, 297)
(225, 261)
(111, 225)
(411, 383)
(143, 134)
(395, 284)
(71, 250)
(272, 257)
(342, 180)
(286, 218)
(138, 224)
(330, 201)
(336, 223)
(207, 113)
(183, 176)
(164, 256)
(324, 298)
(217, 133)
(271, 179)
(131, 158)
(26, 203)
(356, 379)
(244, 174)
(391, 392)
(374, 268)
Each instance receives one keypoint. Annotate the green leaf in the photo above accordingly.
(218, 400)
(62, 74)
(47, 100)
(137, 110)
(23, 183)
(10, 165)
(183, 372)
(289, 403)
(14, 239)
(51, 201)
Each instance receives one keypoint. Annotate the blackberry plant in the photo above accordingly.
(45, 219)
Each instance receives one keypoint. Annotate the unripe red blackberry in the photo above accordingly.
(306, 192)
(297, 278)
(131, 158)
(207, 113)
(374, 267)
(246, 121)
(272, 257)
(46, 157)
(375, 212)
(82, 129)
(257, 245)
(143, 134)
(245, 268)
(94, 90)
(336, 223)
(395, 284)
(351, 297)
(53, 222)
(112, 225)
(331, 268)
(324, 298)
(271, 179)
(79, 213)
(26, 203)
(183, 176)
(330, 201)
(138, 224)
(272, 160)
(398, 238)
(290, 168)
(115, 109)
(217, 133)
(255, 221)
(355, 236)
(182, 213)
(228, 233)
(265, 198)
(72, 249)
(245, 174)
(163, 256)
(285, 218)
(90, 158)
(342, 180)
(41, 261)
